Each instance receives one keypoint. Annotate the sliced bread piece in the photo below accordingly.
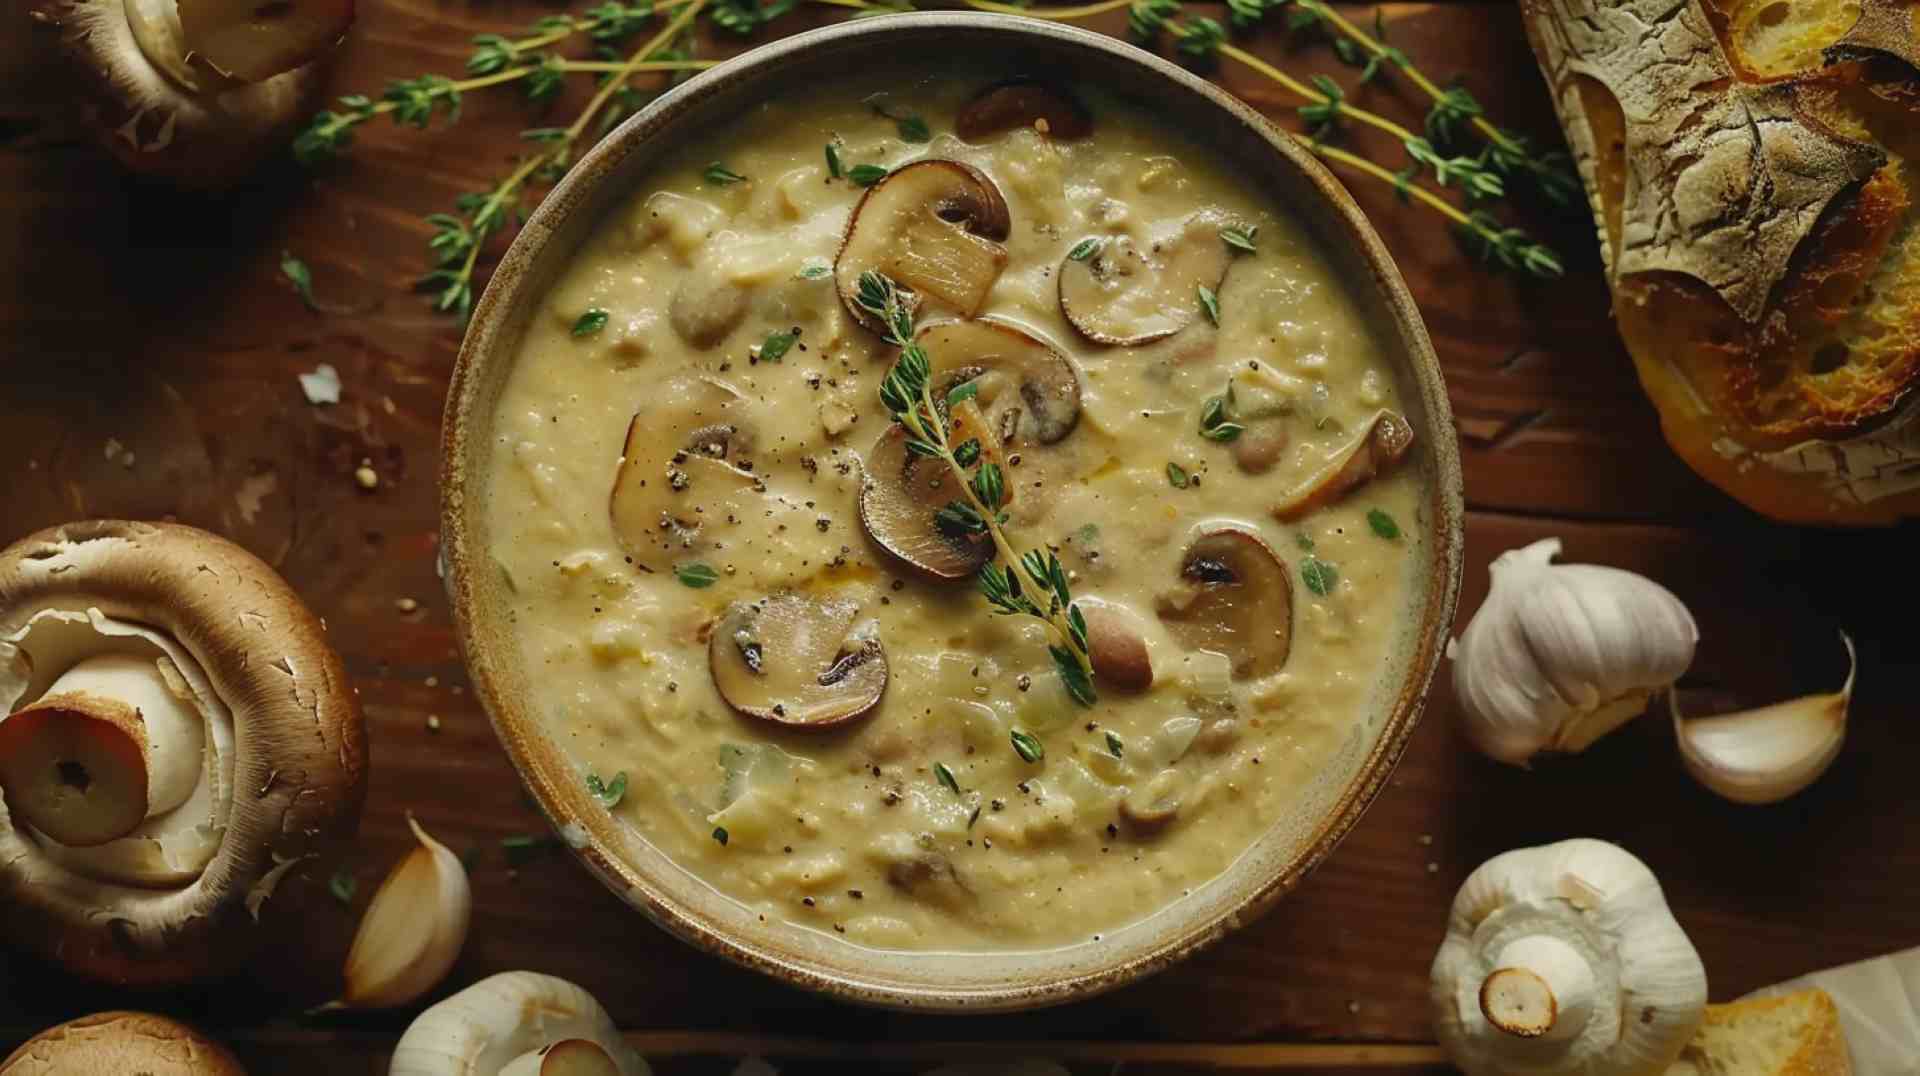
(1791, 1035)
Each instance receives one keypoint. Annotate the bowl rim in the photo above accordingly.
(565, 808)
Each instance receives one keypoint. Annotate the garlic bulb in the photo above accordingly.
(1559, 655)
(413, 929)
(1565, 959)
(1768, 754)
(513, 1023)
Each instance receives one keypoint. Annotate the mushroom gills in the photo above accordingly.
(1383, 444)
(902, 496)
(1130, 292)
(933, 226)
(1027, 388)
(683, 470)
(1023, 102)
(797, 660)
(1235, 598)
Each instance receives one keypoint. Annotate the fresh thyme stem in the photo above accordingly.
(619, 80)
(907, 393)
(1494, 242)
(1414, 75)
(1301, 89)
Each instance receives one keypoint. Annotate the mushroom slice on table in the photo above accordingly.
(121, 1042)
(935, 227)
(1023, 102)
(685, 465)
(797, 660)
(1384, 443)
(516, 1023)
(1235, 598)
(1129, 292)
(1027, 389)
(178, 737)
(196, 91)
(902, 494)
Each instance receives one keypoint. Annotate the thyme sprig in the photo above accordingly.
(907, 393)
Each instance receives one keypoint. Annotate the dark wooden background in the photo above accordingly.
(160, 321)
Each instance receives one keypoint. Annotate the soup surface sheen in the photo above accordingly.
(856, 830)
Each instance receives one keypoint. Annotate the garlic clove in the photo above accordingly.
(1765, 755)
(497, 1021)
(412, 931)
(568, 1057)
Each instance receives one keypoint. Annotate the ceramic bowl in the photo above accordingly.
(674, 898)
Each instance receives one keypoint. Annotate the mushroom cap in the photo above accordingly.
(1236, 598)
(121, 1042)
(1134, 291)
(797, 661)
(935, 227)
(157, 127)
(1596, 899)
(682, 467)
(299, 746)
(1023, 102)
(1378, 448)
(1029, 389)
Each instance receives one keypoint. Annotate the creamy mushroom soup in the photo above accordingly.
(749, 601)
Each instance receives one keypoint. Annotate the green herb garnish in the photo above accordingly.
(866, 175)
(1319, 576)
(776, 345)
(696, 575)
(1240, 239)
(834, 170)
(946, 777)
(720, 834)
(1383, 524)
(1214, 425)
(1113, 745)
(1027, 747)
(1210, 303)
(590, 323)
(1303, 540)
(720, 175)
(342, 885)
(609, 793)
(300, 276)
(1084, 249)
(913, 129)
(907, 394)
(815, 272)
(1177, 476)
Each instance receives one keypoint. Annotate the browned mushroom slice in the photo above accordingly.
(1026, 388)
(933, 226)
(1129, 293)
(902, 493)
(683, 469)
(796, 660)
(1116, 645)
(1235, 598)
(1023, 102)
(1153, 806)
(1384, 442)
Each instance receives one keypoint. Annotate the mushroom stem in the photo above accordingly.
(1541, 988)
(111, 744)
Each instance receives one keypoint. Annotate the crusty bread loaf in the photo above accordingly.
(1791, 1035)
(1754, 172)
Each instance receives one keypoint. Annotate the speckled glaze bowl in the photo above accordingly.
(673, 897)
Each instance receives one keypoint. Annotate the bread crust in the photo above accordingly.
(1758, 221)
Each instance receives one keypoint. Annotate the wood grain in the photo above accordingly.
(159, 323)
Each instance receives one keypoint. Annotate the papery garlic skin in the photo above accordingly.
(413, 929)
(1559, 655)
(1766, 755)
(1563, 960)
(493, 1024)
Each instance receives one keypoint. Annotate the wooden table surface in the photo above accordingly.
(160, 322)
